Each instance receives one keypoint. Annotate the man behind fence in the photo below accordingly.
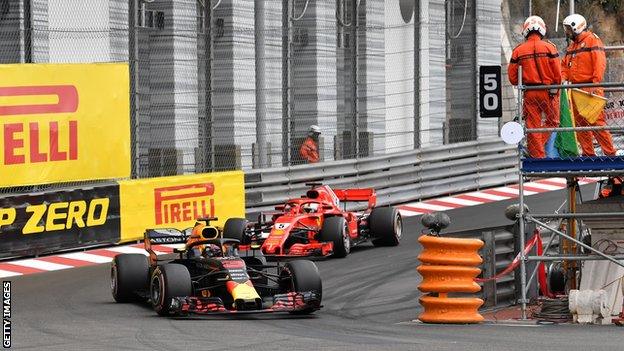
(309, 149)
(540, 66)
(585, 62)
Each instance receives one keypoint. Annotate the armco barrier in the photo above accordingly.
(40, 223)
(501, 247)
(397, 178)
(498, 252)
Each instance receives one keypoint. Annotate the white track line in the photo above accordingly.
(87, 257)
(132, 250)
(127, 250)
(430, 207)
(562, 181)
(43, 265)
(513, 191)
(488, 196)
(462, 202)
(408, 213)
(6, 274)
(545, 186)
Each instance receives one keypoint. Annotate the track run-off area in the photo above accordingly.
(370, 301)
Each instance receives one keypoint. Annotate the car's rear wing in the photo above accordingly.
(165, 236)
(357, 195)
(161, 237)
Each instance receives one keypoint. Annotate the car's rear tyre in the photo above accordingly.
(301, 276)
(386, 226)
(129, 274)
(335, 229)
(169, 281)
(234, 228)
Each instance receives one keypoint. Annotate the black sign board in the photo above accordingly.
(490, 96)
(39, 223)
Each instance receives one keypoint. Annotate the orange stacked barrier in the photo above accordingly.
(449, 265)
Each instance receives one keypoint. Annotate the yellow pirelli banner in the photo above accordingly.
(176, 202)
(63, 122)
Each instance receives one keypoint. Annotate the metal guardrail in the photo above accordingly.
(497, 253)
(501, 245)
(397, 178)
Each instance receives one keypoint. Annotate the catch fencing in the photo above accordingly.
(219, 85)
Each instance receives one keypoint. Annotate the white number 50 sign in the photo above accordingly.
(490, 103)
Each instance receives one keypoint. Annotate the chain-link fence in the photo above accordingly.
(221, 84)
(601, 17)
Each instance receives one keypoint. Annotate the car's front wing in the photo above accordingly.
(288, 302)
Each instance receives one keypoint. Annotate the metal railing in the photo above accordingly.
(397, 178)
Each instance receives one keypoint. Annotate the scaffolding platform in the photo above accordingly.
(576, 166)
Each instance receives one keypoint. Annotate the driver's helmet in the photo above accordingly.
(212, 250)
(310, 207)
(288, 207)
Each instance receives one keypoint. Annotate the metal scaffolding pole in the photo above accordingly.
(133, 58)
(522, 214)
(286, 82)
(568, 247)
(417, 29)
(261, 127)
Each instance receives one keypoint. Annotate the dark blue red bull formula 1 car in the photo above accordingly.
(316, 225)
(210, 277)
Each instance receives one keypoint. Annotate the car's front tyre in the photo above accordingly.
(169, 281)
(301, 276)
(129, 274)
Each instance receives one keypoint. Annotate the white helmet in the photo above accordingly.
(315, 129)
(576, 22)
(534, 23)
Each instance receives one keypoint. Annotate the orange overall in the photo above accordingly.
(540, 66)
(309, 150)
(585, 62)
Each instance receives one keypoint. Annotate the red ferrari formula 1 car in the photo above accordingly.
(316, 225)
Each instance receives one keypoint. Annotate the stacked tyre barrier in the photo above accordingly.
(449, 265)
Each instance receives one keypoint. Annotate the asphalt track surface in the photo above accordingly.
(370, 299)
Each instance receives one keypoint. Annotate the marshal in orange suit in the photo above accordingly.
(585, 62)
(540, 66)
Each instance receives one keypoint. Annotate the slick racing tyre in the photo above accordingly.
(386, 226)
(301, 276)
(129, 274)
(335, 229)
(169, 281)
(234, 228)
